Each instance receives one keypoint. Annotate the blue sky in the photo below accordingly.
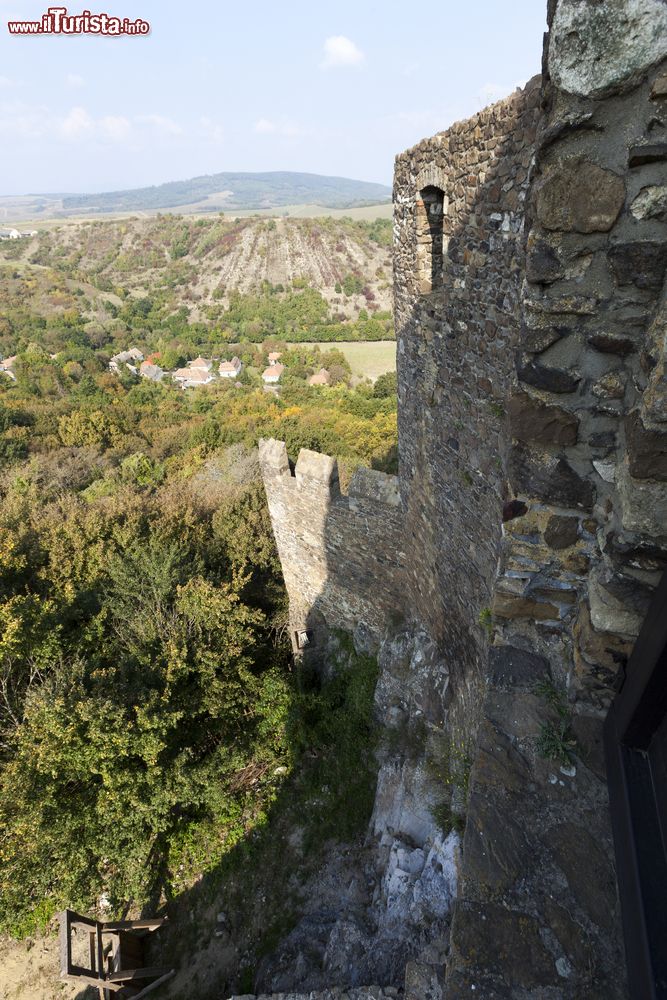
(249, 86)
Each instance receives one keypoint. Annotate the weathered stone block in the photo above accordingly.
(597, 48)
(609, 386)
(561, 532)
(643, 504)
(549, 379)
(642, 263)
(273, 457)
(549, 477)
(647, 449)
(650, 203)
(511, 667)
(315, 467)
(647, 153)
(532, 420)
(578, 196)
(516, 606)
(612, 343)
(604, 648)
(543, 264)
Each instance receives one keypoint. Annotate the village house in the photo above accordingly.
(10, 234)
(321, 378)
(128, 358)
(272, 374)
(151, 371)
(190, 378)
(201, 364)
(274, 356)
(230, 369)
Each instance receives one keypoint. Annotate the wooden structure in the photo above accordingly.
(115, 956)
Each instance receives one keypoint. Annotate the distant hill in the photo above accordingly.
(235, 191)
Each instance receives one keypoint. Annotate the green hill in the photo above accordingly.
(236, 191)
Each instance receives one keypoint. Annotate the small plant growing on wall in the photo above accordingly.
(556, 741)
(486, 621)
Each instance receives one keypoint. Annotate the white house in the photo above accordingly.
(272, 374)
(127, 358)
(202, 364)
(190, 378)
(230, 369)
(10, 234)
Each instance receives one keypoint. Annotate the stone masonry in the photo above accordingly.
(342, 556)
(527, 530)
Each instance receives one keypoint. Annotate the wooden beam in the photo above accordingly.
(153, 986)
(133, 925)
(129, 975)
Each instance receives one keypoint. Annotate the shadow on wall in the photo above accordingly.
(343, 556)
(458, 269)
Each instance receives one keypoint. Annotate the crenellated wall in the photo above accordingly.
(343, 556)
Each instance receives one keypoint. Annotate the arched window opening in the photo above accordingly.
(430, 218)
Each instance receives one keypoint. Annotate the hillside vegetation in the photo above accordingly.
(204, 281)
(149, 715)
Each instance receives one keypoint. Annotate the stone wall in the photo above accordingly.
(588, 411)
(531, 307)
(586, 537)
(343, 556)
(457, 302)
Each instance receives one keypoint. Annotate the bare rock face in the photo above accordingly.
(580, 197)
(599, 47)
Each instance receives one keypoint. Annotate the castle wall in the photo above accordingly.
(457, 325)
(538, 910)
(343, 556)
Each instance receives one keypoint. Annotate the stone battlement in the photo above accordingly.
(335, 548)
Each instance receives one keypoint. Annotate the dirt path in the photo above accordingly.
(29, 970)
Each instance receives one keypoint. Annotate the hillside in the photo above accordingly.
(195, 266)
(209, 193)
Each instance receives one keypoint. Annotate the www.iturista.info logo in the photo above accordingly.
(57, 21)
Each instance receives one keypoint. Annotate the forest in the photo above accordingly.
(149, 710)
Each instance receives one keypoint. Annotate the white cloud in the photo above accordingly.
(115, 127)
(74, 81)
(6, 82)
(264, 126)
(77, 123)
(340, 51)
(161, 124)
(212, 130)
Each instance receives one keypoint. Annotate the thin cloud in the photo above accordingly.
(212, 130)
(74, 81)
(115, 127)
(340, 51)
(76, 124)
(264, 126)
(161, 124)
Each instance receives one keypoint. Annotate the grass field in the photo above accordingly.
(368, 359)
(21, 211)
